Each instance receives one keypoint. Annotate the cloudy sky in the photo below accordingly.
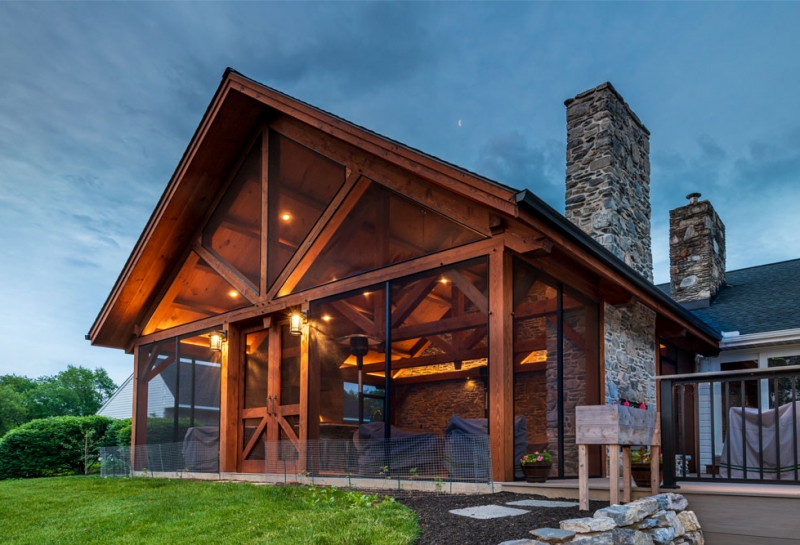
(98, 101)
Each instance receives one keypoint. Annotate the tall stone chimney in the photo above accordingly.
(696, 253)
(608, 196)
(608, 175)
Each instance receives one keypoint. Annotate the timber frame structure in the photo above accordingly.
(447, 278)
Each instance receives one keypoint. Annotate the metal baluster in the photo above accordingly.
(744, 430)
(760, 433)
(776, 383)
(728, 434)
(794, 422)
(682, 408)
(713, 434)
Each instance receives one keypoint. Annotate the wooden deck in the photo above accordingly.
(730, 514)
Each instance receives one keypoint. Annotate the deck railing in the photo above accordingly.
(731, 426)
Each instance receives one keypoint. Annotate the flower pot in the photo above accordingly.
(641, 474)
(538, 472)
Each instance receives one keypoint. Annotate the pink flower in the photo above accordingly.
(642, 406)
(539, 459)
(627, 404)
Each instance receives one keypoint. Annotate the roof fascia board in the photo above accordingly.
(766, 338)
(458, 180)
(169, 190)
(632, 281)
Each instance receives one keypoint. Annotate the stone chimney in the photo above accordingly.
(608, 175)
(696, 253)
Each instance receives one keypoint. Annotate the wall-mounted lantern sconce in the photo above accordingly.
(216, 339)
(296, 322)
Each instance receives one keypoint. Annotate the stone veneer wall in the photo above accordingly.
(630, 353)
(608, 175)
(696, 251)
(428, 406)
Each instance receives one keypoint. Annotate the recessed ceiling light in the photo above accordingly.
(286, 216)
(326, 318)
(233, 293)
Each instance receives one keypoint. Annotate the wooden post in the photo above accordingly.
(626, 474)
(501, 365)
(229, 401)
(655, 455)
(583, 477)
(139, 419)
(613, 474)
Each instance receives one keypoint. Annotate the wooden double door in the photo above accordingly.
(270, 423)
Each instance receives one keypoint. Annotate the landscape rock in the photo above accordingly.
(672, 502)
(662, 536)
(588, 524)
(694, 538)
(599, 538)
(623, 536)
(625, 515)
(553, 535)
(689, 521)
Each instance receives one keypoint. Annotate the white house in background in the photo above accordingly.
(120, 404)
(163, 388)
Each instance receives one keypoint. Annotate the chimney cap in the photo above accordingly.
(693, 197)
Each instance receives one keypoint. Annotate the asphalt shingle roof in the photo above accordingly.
(755, 300)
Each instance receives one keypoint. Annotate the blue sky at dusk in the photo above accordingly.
(98, 101)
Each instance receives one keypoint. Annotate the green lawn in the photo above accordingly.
(82, 510)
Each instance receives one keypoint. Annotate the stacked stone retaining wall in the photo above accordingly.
(664, 519)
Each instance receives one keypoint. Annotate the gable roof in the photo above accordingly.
(755, 300)
(239, 109)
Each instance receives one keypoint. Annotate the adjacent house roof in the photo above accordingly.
(755, 300)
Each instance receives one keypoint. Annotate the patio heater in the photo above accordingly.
(359, 347)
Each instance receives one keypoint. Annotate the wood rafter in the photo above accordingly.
(155, 371)
(327, 225)
(410, 298)
(421, 361)
(227, 274)
(366, 324)
(469, 289)
(463, 374)
(447, 325)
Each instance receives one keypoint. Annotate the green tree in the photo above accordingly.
(12, 409)
(78, 391)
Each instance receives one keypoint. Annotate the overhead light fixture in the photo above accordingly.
(327, 318)
(233, 293)
(216, 339)
(286, 216)
(296, 322)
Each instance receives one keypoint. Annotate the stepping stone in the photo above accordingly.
(489, 512)
(543, 503)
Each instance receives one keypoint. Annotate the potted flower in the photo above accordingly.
(640, 466)
(536, 466)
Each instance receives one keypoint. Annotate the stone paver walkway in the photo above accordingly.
(489, 512)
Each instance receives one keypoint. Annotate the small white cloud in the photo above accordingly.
(459, 122)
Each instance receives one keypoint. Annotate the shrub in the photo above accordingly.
(162, 430)
(118, 433)
(52, 446)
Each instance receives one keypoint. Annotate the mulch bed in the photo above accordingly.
(439, 526)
